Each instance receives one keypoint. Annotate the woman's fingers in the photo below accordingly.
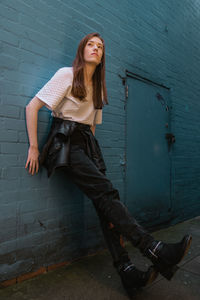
(32, 165)
(31, 168)
(27, 162)
(32, 162)
(37, 166)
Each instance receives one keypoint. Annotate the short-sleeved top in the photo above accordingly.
(56, 94)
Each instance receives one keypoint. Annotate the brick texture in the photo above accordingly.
(45, 222)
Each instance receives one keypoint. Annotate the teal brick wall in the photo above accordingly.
(48, 221)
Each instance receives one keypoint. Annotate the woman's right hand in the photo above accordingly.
(32, 162)
(32, 109)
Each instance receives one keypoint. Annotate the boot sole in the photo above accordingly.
(132, 291)
(169, 271)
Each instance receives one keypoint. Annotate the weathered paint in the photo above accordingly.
(43, 221)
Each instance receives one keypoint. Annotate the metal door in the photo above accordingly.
(148, 148)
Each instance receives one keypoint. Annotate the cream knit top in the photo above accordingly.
(56, 94)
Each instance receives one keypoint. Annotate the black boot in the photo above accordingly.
(134, 279)
(165, 257)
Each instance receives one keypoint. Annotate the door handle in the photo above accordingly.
(170, 138)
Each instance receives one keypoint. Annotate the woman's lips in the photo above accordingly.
(94, 54)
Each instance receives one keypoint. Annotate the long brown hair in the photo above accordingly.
(98, 79)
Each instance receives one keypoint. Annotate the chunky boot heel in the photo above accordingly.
(152, 274)
(134, 279)
(169, 272)
(187, 240)
(165, 257)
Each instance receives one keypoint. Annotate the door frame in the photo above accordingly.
(129, 74)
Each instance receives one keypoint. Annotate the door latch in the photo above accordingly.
(170, 138)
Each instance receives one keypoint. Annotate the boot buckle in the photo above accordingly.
(152, 253)
(154, 250)
(128, 267)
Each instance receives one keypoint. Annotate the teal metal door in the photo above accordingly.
(148, 151)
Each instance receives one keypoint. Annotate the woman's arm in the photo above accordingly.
(31, 121)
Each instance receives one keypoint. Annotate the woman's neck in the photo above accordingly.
(88, 73)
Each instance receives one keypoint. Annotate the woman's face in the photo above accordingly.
(93, 51)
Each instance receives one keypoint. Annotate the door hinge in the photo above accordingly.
(126, 91)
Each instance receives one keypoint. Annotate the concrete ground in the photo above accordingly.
(94, 278)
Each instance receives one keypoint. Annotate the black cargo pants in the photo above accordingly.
(106, 200)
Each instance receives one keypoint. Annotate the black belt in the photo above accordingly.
(77, 125)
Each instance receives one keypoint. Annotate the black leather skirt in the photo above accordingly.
(64, 133)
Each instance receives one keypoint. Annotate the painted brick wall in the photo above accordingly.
(49, 221)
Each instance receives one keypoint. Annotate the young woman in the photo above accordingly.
(76, 96)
